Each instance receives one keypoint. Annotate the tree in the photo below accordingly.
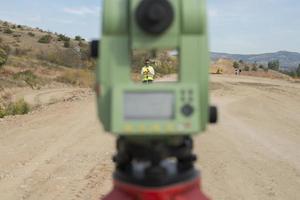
(274, 65)
(254, 68)
(67, 44)
(62, 37)
(298, 71)
(236, 65)
(261, 66)
(78, 38)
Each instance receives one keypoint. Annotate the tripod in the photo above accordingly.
(155, 169)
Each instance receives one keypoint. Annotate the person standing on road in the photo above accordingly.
(147, 72)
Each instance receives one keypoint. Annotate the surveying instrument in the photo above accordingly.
(154, 123)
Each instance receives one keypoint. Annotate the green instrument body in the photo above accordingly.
(160, 109)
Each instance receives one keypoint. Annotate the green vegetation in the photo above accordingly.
(254, 68)
(295, 73)
(247, 68)
(236, 65)
(15, 108)
(3, 57)
(64, 38)
(7, 31)
(67, 44)
(298, 71)
(31, 34)
(46, 39)
(31, 79)
(78, 38)
(274, 65)
(261, 66)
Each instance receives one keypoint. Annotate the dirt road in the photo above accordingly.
(253, 153)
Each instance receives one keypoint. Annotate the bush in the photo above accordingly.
(17, 108)
(62, 37)
(8, 31)
(31, 79)
(78, 38)
(2, 112)
(46, 39)
(247, 68)
(261, 66)
(20, 26)
(254, 68)
(67, 44)
(31, 34)
(3, 57)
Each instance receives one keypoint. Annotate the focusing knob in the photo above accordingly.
(154, 16)
(187, 110)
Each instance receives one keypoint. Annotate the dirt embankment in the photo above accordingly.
(61, 152)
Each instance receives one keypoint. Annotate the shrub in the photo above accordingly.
(31, 79)
(78, 38)
(254, 68)
(20, 26)
(67, 44)
(3, 57)
(8, 31)
(247, 68)
(13, 26)
(46, 39)
(261, 66)
(31, 34)
(62, 37)
(5, 24)
(17, 108)
(2, 112)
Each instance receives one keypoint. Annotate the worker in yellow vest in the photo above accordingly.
(147, 72)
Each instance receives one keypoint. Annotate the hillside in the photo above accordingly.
(39, 67)
(35, 43)
(288, 60)
(248, 69)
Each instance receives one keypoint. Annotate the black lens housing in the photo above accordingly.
(154, 16)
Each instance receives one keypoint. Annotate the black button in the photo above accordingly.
(187, 110)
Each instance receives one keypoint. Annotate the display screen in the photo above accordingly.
(149, 105)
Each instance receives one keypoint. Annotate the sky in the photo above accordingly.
(235, 26)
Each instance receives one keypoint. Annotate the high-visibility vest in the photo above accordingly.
(148, 73)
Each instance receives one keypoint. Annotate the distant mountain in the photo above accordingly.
(288, 60)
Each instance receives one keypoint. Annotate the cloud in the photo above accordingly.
(83, 10)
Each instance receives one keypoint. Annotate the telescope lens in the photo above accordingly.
(154, 16)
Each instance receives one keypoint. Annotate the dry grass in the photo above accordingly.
(81, 78)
